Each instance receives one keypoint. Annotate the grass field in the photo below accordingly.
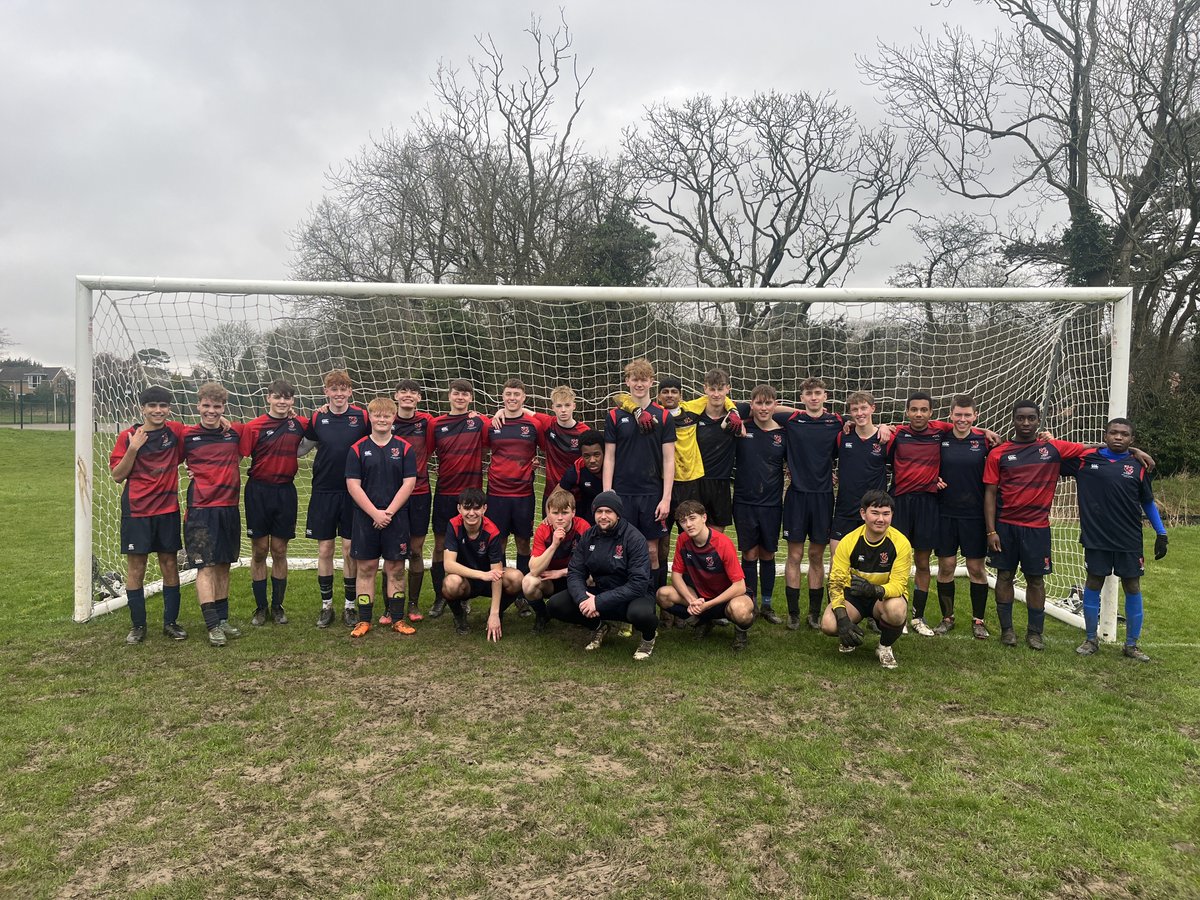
(294, 763)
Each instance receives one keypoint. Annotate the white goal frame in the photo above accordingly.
(86, 287)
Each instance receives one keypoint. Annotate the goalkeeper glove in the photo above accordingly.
(645, 421)
(848, 633)
(863, 589)
(733, 423)
(1160, 546)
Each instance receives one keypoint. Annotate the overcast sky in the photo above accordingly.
(188, 139)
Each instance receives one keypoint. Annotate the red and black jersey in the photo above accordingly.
(335, 434)
(459, 442)
(1026, 475)
(584, 485)
(812, 443)
(418, 431)
(480, 552)
(638, 462)
(213, 457)
(514, 447)
(152, 487)
(381, 470)
(562, 555)
(560, 446)
(916, 458)
(710, 569)
(963, 460)
(271, 445)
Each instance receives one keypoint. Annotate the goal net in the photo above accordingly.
(1052, 345)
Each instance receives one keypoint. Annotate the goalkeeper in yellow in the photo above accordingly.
(869, 578)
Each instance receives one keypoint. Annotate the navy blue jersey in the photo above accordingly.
(584, 485)
(862, 467)
(335, 434)
(480, 552)
(637, 464)
(716, 446)
(381, 470)
(812, 445)
(760, 459)
(962, 465)
(1111, 494)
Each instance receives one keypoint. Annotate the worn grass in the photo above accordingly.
(294, 763)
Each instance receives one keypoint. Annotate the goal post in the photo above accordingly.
(1067, 347)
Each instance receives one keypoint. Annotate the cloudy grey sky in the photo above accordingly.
(189, 138)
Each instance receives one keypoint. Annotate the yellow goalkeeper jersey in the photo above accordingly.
(688, 464)
(885, 562)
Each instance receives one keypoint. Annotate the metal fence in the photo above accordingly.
(21, 409)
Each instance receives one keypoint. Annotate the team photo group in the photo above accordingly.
(886, 501)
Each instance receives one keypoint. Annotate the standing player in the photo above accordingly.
(271, 442)
(585, 479)
(562, 436)
(718, 424)
(460, 437)
(960, 515)
(146, 460)
(334, 430)
(514, 440)
(381, 472)
(869, 577)
(915, 453)
(812, 436)
(553, 543)
(608, 579)
(416, 427)
(212, 531)
(707, 581)
(640, 465)
(761, 453)
(1019, 481)
(862, 465)
(475, 564)
(1114, 491)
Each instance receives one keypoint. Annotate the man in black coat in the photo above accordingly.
(608, 579)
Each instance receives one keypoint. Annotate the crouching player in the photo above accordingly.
(608, 579)
(212, 531)
(869, 578)
(553, 542)
(381, 472)
(474, 560)
(706, 578)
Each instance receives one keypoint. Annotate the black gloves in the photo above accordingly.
(1160, 546)
(863, 589)
(849, 633)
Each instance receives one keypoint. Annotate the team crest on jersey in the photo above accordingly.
(524, 431)
(1128, 470)
(291, 424)
(975, 445)
(619, 551)
(574, 443)
(471, 426)
(166, 441)
(883, 558)
(778, 439)
(877, 449)
(353, 420)
(709, 562)
(395, 453)
(1043, 452)
(483, 546)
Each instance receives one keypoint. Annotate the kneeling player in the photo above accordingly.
(869, 578)
(474, 563)
(706, 581)
(553, 542)
(381, 472)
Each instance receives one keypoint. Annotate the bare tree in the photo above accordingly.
(771, 190)
(1089, 105)
(6, 341)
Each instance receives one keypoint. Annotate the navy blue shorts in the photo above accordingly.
(445, 508)
(680, 491)
(680, 611)
(330, 515)
(967, 535)
(369, 542)
(864, 605)
(1113, 562)
(916, 517)
(639, 512)
(717, 496)
(511, 515)
(757, 526)
(418, 508)
(807, 517)
(213, 535)
(271, 509)
(1024, 546)
(141, 535)
(843, 525)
